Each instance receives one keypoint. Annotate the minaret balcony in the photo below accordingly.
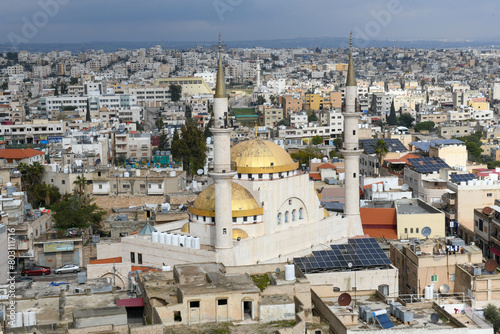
(231, 169)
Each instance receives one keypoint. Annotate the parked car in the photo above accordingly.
(24, 279)
(67, 268)
(37, 270)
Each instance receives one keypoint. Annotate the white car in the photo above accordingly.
(67, 268)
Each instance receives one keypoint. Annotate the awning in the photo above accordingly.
(131, 302)
(495, 251)
(496, 208)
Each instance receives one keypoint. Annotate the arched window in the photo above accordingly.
(293, 214)
(279, 218)
(286, 217)
(301, 213)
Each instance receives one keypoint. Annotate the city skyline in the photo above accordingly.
(49, 21)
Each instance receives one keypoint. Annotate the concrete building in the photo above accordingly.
(190, 85)
(413, 215)
(10, 157)
(430, 262)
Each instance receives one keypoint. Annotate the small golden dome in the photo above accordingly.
(243, 203)
(261, 156)
(185, 228)
(238, 233)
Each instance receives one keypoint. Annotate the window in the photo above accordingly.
(195, 304)
(489, 194)
(63, 182)
(301, 213)
(286, 217)
(245, 219)
(293, 214)
(279, 218)
(261, 176)
(416, 230)
(159, 186)
(452, 277)
(142, 186)
(222, 302)
(406, 230)
(177, 316)
(139, 258)
(132, 257)
(411, 230)
(224, 231)
(354, 175)
(100, 186)
(434, 278)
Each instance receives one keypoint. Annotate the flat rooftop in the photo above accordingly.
(414, 207)
(421, 315)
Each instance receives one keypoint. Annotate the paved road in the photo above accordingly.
(149, 114)
(68, 278)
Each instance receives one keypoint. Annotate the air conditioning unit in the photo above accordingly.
(390, 301)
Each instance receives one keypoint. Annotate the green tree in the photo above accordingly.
(190, 147)
(303, 156)
(76, 211)
(406, 120)
(175, 92)
(31, 175)
(80, 181)
(492, 314)
(159, 124)
(338, 143)
(120, 159)
(316, 140)
(381, 149)
(392, 119)
(73, 81)
(45, 194)
(87, 114)
(425, 126)
(312, 117)
(163, 143)
(261, 100)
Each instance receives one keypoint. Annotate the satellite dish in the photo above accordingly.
(405, 187)
(487, 210)
(278, 270)
(434, 318)
(490, 265)
(345, 299)
(426, 231)
(200, 171)
(445, 288)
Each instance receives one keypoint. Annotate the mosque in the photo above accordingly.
(261, 208)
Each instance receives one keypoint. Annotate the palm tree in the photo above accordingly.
(380, 150)
(80, 181)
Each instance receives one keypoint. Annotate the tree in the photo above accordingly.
(425, 126)
(338, 143)
(30, 176)
(406, 120)
(303, 156)
(163, 143)
(120, 159)
(80, 181)
(312, 117)
(316, 140)
(492, 314)
(159, 124)
(87, 114)
(45, 194)
(73, 81)
(261, 100)
(76, 211)
(392, 119)
(175, 92)
(380, 150)
(190, 147)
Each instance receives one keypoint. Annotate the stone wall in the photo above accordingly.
(110, 202)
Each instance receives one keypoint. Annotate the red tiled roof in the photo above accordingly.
(131, 302)
(369, 185)
(17, 153)
(315, 176)
(107, 261)
(379, 222)
(404, 158)
(327, 166)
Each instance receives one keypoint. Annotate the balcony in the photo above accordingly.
(449, 199)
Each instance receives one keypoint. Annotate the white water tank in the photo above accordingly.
(8, 184)
(470, 182)
(182, 240)
(137, 172)
(289, 272)
(189, 242)
(162, 237)
(380, 187)
(168, 240)
(374, 187)
(155, 236)
(196, 243)
(29, 318)
(386, 186)
(65, 170)
(126, 174)
(172, 173)
(166, 268)
(429, 292)
(175, 239)
(463, 183)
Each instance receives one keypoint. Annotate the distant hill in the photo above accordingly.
(321, 42)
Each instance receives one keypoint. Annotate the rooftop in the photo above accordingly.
(414, 207)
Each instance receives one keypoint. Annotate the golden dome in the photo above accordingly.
(243, 203)
(261, 156)
(238, 233)
(185, 228)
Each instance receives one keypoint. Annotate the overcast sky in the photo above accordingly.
(201, 20)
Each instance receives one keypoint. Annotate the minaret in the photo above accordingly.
(351, 151)
(222, 173)
(258, 73)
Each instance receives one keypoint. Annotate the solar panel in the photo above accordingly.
(393, 144)
(457, 178)
(428, 165)
(364, 252)
(384, 321)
